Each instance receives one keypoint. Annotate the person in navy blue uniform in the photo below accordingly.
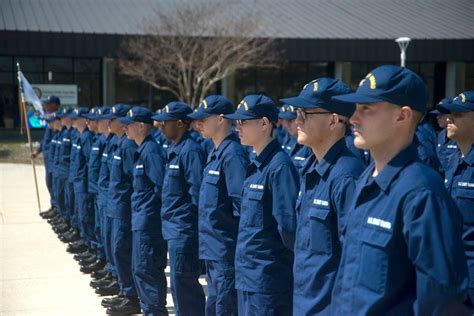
(105, 279)
(445, 147)
(119, 211)
(402, 247)
(297, 152)
(149, 248)
(459, 177)
(51, 105)
(327, 187)
(80, 154)
(179, 210)
(264, 251)
(65, 190)
(219, 203)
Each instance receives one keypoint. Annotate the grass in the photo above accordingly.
(18, 152)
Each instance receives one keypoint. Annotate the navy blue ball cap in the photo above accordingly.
(118, 110)
(173, 111)
(287, 112)
(80, 112)
(436, 111)
(389, 83)
(102, 111)
(92, 116)
(255, 106)
(64, 112)
(51, 116)
(464, 102)
(53, 99)
(319, 93)
(137, 114)
(212, 105)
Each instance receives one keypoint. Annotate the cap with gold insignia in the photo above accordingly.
(64, 112)
(174, 111)
(464, 102)
(389, 83)
(137, 114)
(255, 106)
(287, 112)
(212, 105)
(318, 94)
(118, 110)
(78, 113)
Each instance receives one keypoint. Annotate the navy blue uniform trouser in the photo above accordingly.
(98, 243)
(60, 188)
(85, 213)
(49, 185)
(188, 294)
(265, 304)
(221, 293)
(121, 246)
(69, 204)
(148, 266)
(108, 222)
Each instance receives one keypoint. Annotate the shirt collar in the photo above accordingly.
(176, 148)
(469, 158)
(217, 152)
(267, 153)
(388, 173)
(147, 139)
(323, 166)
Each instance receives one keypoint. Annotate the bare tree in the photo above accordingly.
(192, 45)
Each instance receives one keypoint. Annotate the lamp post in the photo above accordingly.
(403, 44)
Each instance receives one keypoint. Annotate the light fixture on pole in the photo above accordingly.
(403, 44)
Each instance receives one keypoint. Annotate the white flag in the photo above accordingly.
(28, 94)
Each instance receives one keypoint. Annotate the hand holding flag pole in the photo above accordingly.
(28, 95)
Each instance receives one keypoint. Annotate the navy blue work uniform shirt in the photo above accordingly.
(445, 147)
(120, 181)
(73, 140)
(81, 151)
(327, 189)
(180, 196)
(93, 166)
(219, 200)
(264, 253)
(105, 162)
(460, 184)
(64, 153)
(402, 248)
(148, 177)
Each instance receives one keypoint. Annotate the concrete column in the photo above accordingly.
(108, 81)
(342, 71)
(455, 78)
(228, 87)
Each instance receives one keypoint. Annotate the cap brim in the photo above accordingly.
(434, 112)
(453, 108)
(198, 115)
(356, 98)
(299, 102)
(287, 115)
(107, 117)
(240, 116)
(125, 120)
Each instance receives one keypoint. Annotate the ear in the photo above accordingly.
(334, 121)
(405, 115)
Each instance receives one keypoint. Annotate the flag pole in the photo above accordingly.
(28, 133)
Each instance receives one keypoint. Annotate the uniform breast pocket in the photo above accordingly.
(373, 266)
(321, 239)
(140, 182)
(254, 209)
(116, 170)
(211, 192)
(465, 201)
(174, 182)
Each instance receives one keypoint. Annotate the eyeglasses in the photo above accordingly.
(242, 122)
(303, 114)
